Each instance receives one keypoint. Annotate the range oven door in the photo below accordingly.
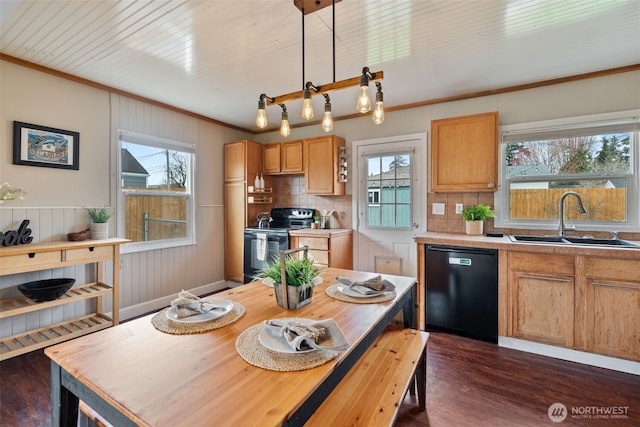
(261, 246)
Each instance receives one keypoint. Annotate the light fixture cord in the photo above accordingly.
(333, 26)
(303, 80)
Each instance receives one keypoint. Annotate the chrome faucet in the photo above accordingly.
(562, 227)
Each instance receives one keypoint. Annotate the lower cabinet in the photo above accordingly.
(541, 303)
(327, 247)
(608, 318)
(585, 303)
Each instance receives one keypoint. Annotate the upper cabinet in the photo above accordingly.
(464, 153)
(242, 160)
(321, 165)
(271, 157)
(283, 158)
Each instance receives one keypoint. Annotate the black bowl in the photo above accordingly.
(46, 290)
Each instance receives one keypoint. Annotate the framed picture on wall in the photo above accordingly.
(35, 145)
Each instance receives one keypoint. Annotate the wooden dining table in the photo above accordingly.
(135, 375)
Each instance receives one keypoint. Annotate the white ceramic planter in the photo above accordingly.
(99, 230)
(474, 228)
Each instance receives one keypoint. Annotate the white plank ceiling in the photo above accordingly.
(215, 58)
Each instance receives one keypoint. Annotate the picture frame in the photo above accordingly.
(35, 145)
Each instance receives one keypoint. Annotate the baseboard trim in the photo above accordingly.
(571, 355)
(158, 303)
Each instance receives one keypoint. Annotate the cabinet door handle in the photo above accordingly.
(32, 254)
(549, 279)
(611, 285)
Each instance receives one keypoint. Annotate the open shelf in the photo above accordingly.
(34, 339)
(20, 305)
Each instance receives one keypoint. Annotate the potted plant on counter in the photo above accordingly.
(474, 217)
(300, 275)
(99, 222)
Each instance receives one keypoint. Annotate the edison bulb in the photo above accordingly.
(364, 102)
(307, 109)
(261, 118)
(378, 113)
(327, 121)
(285, 130)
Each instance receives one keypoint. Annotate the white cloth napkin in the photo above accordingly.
(371, 286)
(188, 304)
(261, 246)
(305, 336)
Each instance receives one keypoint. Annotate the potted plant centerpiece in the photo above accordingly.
(300, 276)
(474, 217)
(99, 222)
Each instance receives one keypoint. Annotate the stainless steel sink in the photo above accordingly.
(537, 239)
(601, 242)
(581, 241)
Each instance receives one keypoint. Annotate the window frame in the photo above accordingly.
(501, 197)
(124, 136)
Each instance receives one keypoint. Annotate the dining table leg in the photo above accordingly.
(64, 404)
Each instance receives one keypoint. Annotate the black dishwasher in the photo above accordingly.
(462, 291)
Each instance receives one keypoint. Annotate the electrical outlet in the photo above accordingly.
(459, 207)
(437, 208)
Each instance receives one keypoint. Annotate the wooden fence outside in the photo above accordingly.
(601, 204)
(156, 207)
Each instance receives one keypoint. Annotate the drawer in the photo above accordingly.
(319, 257)
(321, 243)
(29, 260)
(611, 268)
(93, 253)
(554, 264)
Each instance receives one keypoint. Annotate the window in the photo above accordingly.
(592, 156)
(389, 191)
(156, 191)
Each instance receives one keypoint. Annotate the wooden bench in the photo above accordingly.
(374, 388)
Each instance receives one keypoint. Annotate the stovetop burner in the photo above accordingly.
(289, 219)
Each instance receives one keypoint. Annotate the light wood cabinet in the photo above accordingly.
(541, 298)
(464, 153)
(50, 255)
(291, 154)
(243, 160)
(327, 248)
(282, 158)
(271, 158)
(607, 315)
(321, 165)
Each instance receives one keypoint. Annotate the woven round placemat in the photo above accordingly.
(162, 323)
(333, 292)
(254, 353)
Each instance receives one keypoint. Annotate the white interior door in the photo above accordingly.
(389, 203)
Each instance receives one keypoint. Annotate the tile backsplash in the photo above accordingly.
(288, 191)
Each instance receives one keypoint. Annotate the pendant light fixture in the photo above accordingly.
(363, 104)
(261, 118)
(285, 130)
(378, 110)
(327, 120)
(307, 107)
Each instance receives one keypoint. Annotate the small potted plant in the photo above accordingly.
(301, 275)
(99, 222)
(474, 217)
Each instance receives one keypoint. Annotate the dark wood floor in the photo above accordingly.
(469, 383)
